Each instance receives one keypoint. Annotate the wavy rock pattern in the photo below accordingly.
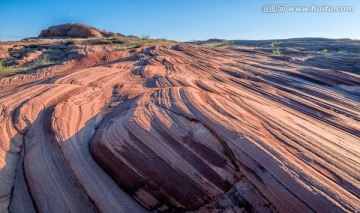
(182, 127)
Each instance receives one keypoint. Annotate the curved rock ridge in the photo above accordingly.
(182, 128)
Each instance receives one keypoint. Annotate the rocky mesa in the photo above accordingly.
(73, 30)
(127, 124)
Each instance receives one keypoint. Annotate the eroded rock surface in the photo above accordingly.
(71, 30)
(182, 127)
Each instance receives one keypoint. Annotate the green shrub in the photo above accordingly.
(277, 52)
(218, 43)
(6, 71)
(224, 43)
(132, 43)
(103, 41)
(111, 40)
(120, 40)
(139, 43)
(43, 60)
(275, 43)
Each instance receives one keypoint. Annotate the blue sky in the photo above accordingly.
(181, 20)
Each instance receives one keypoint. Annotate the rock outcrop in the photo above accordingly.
(181, 127)
(3, 52)
(71, 30)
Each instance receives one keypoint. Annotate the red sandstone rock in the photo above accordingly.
(71, 30)
(180, 127)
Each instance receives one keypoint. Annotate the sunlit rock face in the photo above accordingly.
(71, 30)
(181, 127)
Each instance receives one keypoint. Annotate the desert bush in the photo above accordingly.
(120, 40)
(6, 70)
(277, 52)
(218, 43)
(132, 43)
(275, 43)
(103, 41)
(145, 37)
(28, 39)
(111, 40)
(224, 43)
(139, 43)
(70, 42)
(42, 60)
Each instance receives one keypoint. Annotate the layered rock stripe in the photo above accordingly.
(182, 127)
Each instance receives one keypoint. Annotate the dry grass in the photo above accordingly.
(43, 60)
(110, 40)
(145, 37)
(7, 70)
